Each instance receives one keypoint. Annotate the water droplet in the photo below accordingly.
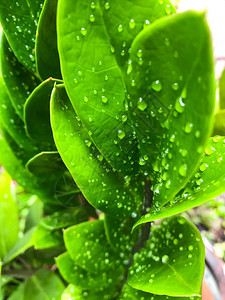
(112, 49)
(88, 143)
(146, 24)
(142, 105)
(104, 99)
(209, 150)
(165, 259)
(83, 31)
(93, 5)
(85, 99)
(107, 5)
(183, 170)
(120, 28)
(156, 85)
(121, 134)
(175, 86)
(168, 9)
(203, 167)
(132, 24)
(92, 18)
(188, 127)
(124, 118)
(168, 183)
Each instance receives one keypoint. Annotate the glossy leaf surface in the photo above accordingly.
(172, 261)
(19, 81)
(206, 184)
(37, 112)
(165, 81)
(92, 68)
(46, 162)
(47, 57)
(88, 247)
(83, 279)
(44, 238)
(9, 227)
(100, 185)
(19, 21)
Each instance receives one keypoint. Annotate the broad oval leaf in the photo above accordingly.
(88, 247)
(83, 279)
(171, 69)
(47, 57)
(37, 113)
(103, 187)
(92, 71)
(19, 22)
(172, 262)
(207, 183)
(19, 81)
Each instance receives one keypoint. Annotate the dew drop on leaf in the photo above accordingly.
(132, 24)
(121, 134)
(156, 85)
(183, 170)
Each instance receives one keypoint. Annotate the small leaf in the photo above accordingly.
(19, 22)
(9, 226)
(37, 113)
(21, 246)
(172, 262)
(34, 214)
(83, 279)
(101, 186)
(88, 247)
(46, 162)
(47, 57)
(206, 184)
(172, 67)
(19, 81)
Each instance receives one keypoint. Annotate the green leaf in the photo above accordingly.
(19, 22)
(88, 247)
(18, 294)
(172, 262)
(43, 285)
(222, 90)
(37, 113)
(13, 124)
(171, 69)
(9, 226)
(44, 238)
(34, 214)
(83, 279)
(128, 293)
(73, 292)
(92, 72)
(46, 162)
(47, 57)
(20, 246)
(19, 81)
(67, 217)
(206, 184)
(100, 185)
(219, 123)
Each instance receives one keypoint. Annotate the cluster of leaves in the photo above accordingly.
(123, 128)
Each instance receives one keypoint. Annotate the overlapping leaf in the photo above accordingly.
(19, 21)
(47, 57)
(172, 262)
(207, 183)
(101, 186)
(93, 53)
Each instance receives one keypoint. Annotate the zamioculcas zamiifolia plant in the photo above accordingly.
(106, 113)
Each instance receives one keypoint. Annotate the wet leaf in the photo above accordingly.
(83, 279)
(37, 113)
(88, 247)
(47, 57)
(103, 187)
(93, 53)
(19, 22)
(172, 262)
(170, 79)
(19, 81)
(206, 184)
